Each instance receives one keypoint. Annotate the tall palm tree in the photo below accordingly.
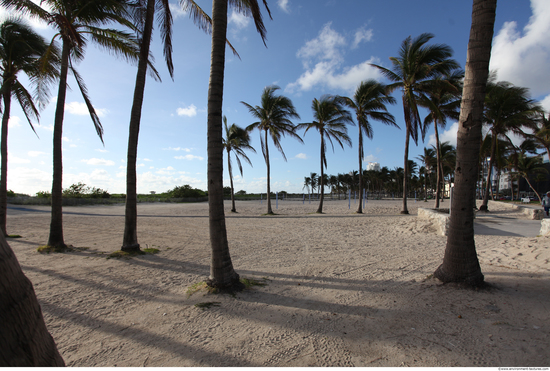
(329, 119)
(24, 338)
(222, 274)
(542, 133)
(236, 141)
(442, 102)
(460, 262)
(413, 71)
(274, 116)
(76, 23)
(369, 103)
(508, 109)
(428, 160)
(21, 51)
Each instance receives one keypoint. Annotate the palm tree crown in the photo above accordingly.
(274, 115)
(330, 119)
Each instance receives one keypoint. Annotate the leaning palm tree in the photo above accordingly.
(527, 167)
(542, 133)
(236, 141)
(330, 120)
(76, 23)
(460, 263)
(442, 102)
(222, 274)
(508, 109)
(413, 71)
(21, 51)
(274, 116)
(369, 103)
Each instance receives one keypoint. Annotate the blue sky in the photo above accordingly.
(314, 47)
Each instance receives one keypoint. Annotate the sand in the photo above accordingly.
(342, 289)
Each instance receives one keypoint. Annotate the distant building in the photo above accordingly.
(373, 166)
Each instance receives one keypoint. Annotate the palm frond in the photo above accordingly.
(91, 110)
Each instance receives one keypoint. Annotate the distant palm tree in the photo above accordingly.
(274, 116)
(413, 71)
(429, 161)
(314, 181)
(222, 274)
(21, 51)
(330, 120)
(307, 183)
(75, 23)
(529, 166)
(508, 109)
(369, 103)
(442, 102)
(236, 141)
(460, 263)
(542, 133)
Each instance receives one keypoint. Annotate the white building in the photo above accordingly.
(373, 166)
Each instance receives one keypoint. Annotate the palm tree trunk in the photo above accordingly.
(130, 240)
(489, 184)
(6, 96)
(439, 167)
(360, 206)
(460, 263)
(56, 225)
(406, 173)
(269, 210)
(24, 338)
(222, 274)
(322, 182)
(233, 209)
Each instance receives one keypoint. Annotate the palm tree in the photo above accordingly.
(222, 274)
(75, 23)
(429, 160)
(369, 103)
(307, 183)
(460, 262)
(21, 50)
(508, 109)
(274, 116)
(413, 72)
(542, 133)
(528, 166)
(447, 153)
(442, 101)
(236, 141)
(329, 119)
(24, 338)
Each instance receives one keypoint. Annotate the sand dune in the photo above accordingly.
(341, 289)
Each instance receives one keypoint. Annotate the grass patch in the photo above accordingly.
(245, 283)
(208, 304)
(249, 282)
(13, 236)
(124, 254)
(199, 286)
(151, 250)
(59, 249)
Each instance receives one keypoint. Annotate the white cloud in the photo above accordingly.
(301, 156)
(35, 153)
(16, 160)
(29, 181)
(283, 4)
(448, 135)
(80, 109)
(522, 57)
(102, 150)
(188, 157)
(14, 122)
(323, 60)
(545, 103)
(189, 111)
(177, 149)
(99, 162)
(371, 158)
(239, 20)
(177, 11)
(362, 34)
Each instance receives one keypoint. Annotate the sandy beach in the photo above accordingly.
(342, 289)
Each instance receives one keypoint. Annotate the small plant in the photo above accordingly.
(48, 249)
(196, 287)
(13, 236)
(208, 304)
(249, 282)
(151, 250)
(124, 254)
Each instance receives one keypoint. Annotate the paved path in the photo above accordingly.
(495, 225)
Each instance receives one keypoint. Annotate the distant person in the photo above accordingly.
(546, 202)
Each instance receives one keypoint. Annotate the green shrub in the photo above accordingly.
(43, 194)
(186, 191)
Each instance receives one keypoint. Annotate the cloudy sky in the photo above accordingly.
(314, 47)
